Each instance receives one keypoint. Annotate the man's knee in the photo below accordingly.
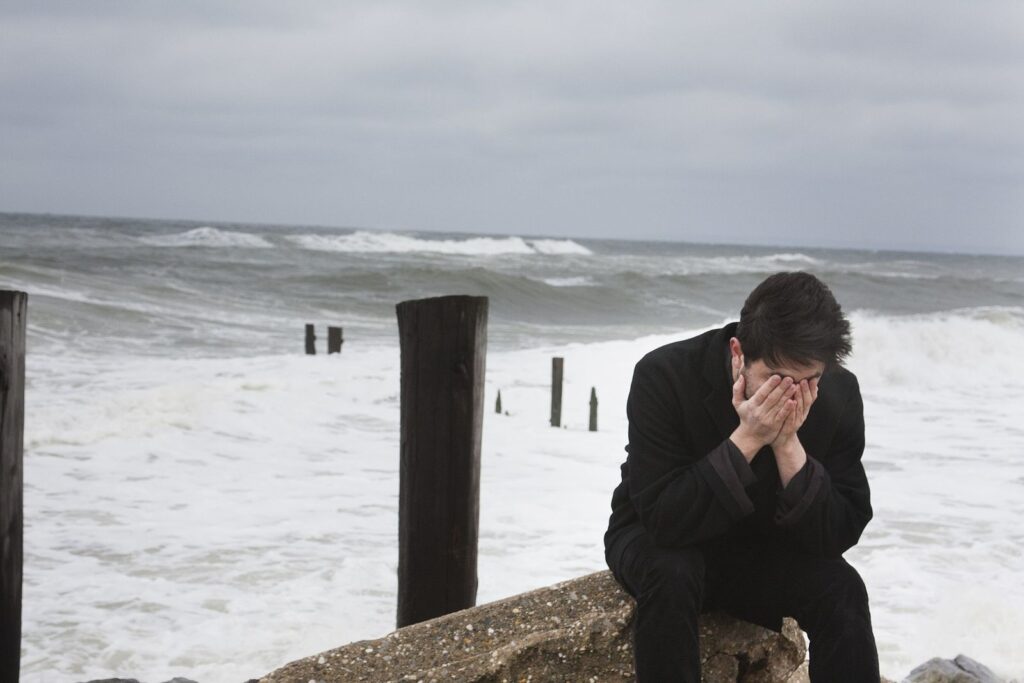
(845, 602)
(675, 574)
(849, 585)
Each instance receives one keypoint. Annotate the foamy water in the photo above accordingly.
(362, 241)
(207, 236)
(202, 500)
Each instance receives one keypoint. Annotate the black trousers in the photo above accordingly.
(757, 583)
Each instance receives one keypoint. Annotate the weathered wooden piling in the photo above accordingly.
(593, 409)
(443, 352)
(13, 310)
(497, 404)
(310, 339)
(334, 340)
(556, 391)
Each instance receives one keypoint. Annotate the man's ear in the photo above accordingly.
(736, 349)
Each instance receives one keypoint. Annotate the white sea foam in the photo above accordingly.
(728, 265)
(575, 281)
(767, 261)
(970, 349)
(204, 498)
(362, 241)
(207, 236)
(558, 247)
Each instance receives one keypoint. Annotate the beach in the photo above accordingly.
(204, 500)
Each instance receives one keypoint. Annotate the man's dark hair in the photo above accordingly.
(793, 317)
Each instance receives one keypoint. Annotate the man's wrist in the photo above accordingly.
(748, 445)
(788, 447)
(790, 457)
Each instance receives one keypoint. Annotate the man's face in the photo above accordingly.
(758, 372)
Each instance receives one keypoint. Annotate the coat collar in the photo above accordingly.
(718, 399)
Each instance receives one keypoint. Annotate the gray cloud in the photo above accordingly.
(831, 123)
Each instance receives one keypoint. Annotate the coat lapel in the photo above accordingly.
(718, 400)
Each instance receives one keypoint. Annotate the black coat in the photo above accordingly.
(685, 483)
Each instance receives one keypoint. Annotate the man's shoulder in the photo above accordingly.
(840, 390)
(684, 354)
(842, 378)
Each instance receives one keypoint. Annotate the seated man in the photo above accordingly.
(743, 486)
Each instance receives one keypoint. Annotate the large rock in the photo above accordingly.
(577, 630)
(960, 669)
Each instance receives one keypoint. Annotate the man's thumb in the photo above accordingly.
(737, 391)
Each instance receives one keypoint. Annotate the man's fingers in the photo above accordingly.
(765, 389)
(785, 412)
(780, 390)
(793, 420)
(804, 404)
(737, 391)
(778, 410)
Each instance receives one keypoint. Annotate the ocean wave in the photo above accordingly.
(790, 257)
(757, 264)
(578, 281)
(975, 348)
(739, 264)
(558, 247)
(362, 241)
(207, 236)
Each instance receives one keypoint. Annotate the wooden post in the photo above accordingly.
(13, 309)
(593, 409)
(334, 340)
(556, 391)
(443, 352)
(310, 340)
(497, 404)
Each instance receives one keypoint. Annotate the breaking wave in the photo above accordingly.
(207, 236)
(972, 347)
(363, 241)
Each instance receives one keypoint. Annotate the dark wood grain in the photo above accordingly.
(334, 340)
(310, 339)
(557, 365)
(593, 409)
(13, 309)
(443, 352)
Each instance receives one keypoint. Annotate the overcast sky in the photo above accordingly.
(870, 124)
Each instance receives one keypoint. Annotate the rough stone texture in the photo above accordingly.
(960, 669)
(577, 630)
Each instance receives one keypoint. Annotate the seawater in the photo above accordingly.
(204, 500)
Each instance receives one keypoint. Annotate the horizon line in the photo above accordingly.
(891, 249)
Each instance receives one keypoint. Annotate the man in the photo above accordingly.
(743, 486)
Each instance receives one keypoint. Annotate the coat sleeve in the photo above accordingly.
(681, 497)
(823, 510)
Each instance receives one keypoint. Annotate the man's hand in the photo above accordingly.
(789, 452)
(764, 414)
(805, 395)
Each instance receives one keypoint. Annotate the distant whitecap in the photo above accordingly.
(362, 241)
(207, 236)
(569, 281)
(558, 247)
